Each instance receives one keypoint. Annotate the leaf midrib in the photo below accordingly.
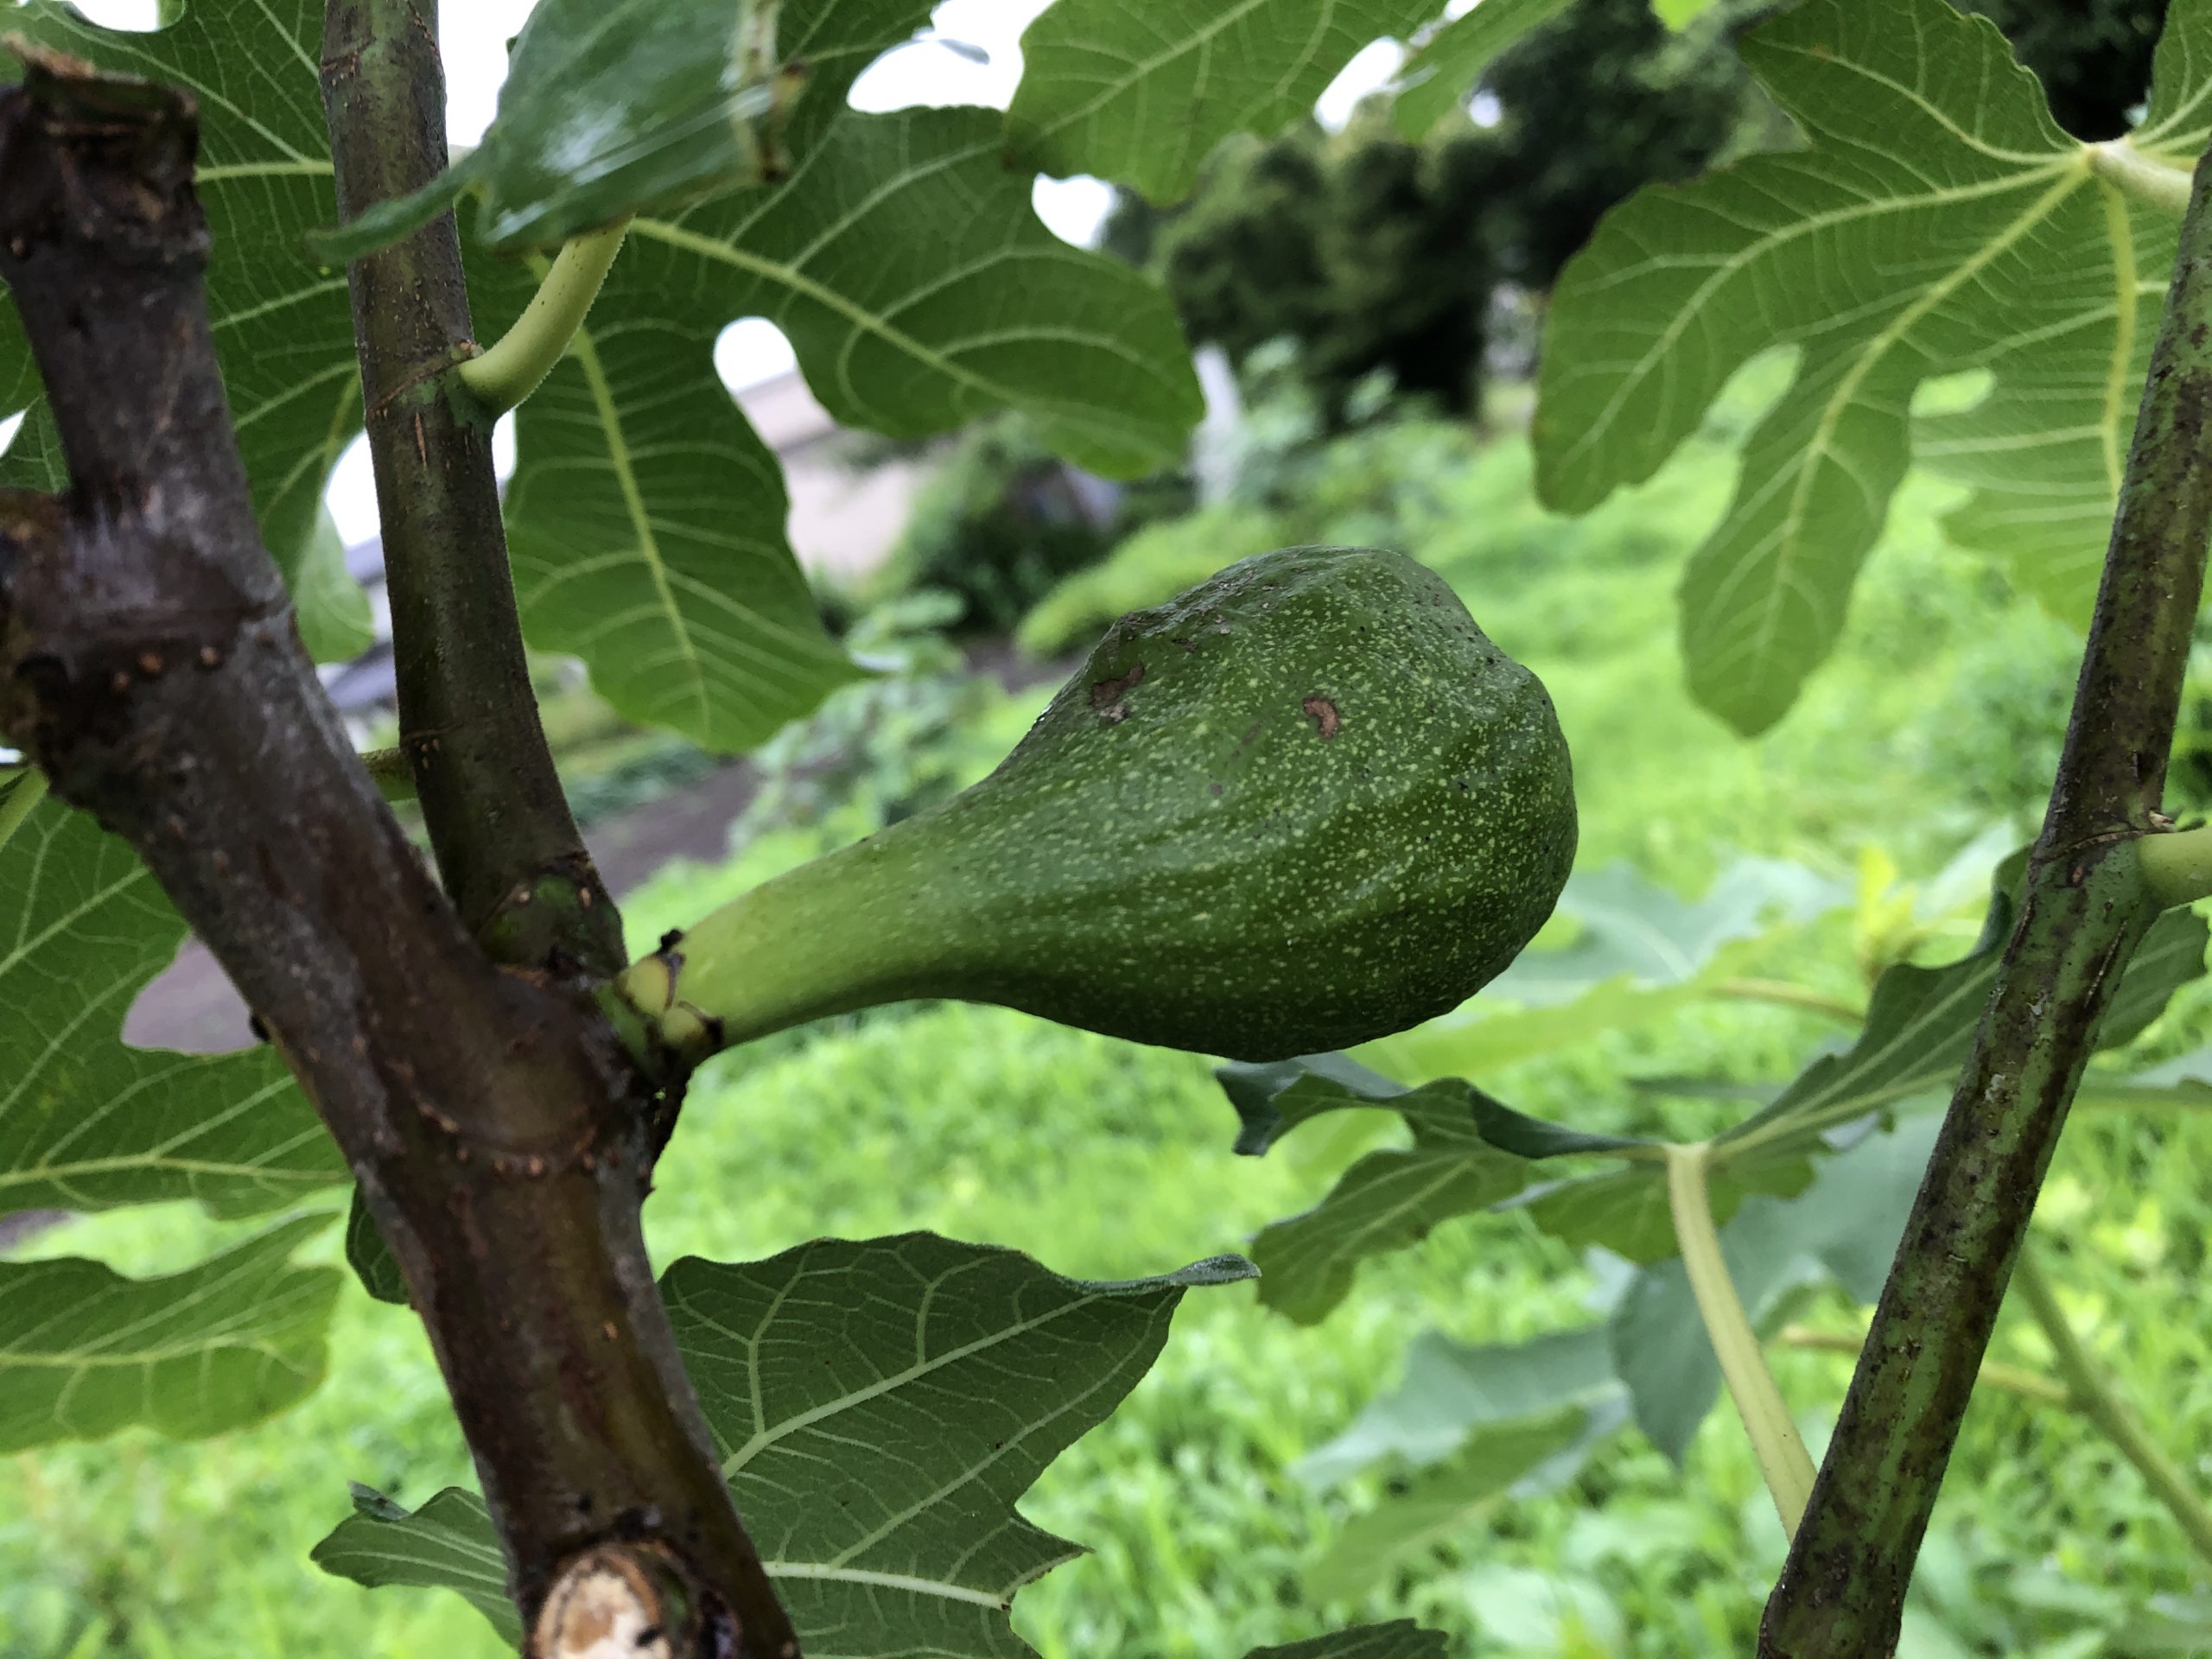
(586, 353)
(762, 1439)
(1788, 538)
(1760, 248)
(784, 275)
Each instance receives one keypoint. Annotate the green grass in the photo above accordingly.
(1938, 717)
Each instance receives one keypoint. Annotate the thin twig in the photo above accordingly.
(1783, 993)
(2004, 1379)
(2093, 1393)
(506, 843)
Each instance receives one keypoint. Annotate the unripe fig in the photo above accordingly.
(1307, 804)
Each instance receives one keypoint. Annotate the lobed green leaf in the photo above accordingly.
(1937, 221)
(1437, 75)
(447, 1544)
(646, 517)
(1468, 1427)
(282, 322)
(878, 1407)
(1640, 955)
(85, 1351)
(1441, 1504)
(610, 107)
(1921, 1025)
(1469, 1152)
(1626, 1211)
(920, 290)
(1139, 94)
(1454, 1393)
(87, 1123)
(1451, 1430)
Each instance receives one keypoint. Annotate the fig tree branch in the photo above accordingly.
(2082, 1386)
(2086, 906)
(150, 665)
(506, 843)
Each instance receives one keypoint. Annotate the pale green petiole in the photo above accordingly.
(2146, 178)
(525, 354)
(1782, 1458)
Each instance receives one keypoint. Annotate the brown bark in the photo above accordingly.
(149, 662)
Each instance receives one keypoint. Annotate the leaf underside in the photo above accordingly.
(877, 1407)
(1435, 77)
(918, 287)
(1470, 1154)
(1471, 1425)
(1641, 955)
(1139, 94)
(88, 1123)
(283, 323)
(1936, 222)
(609, 106)
(85, 1351)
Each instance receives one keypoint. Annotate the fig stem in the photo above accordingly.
(836, 934)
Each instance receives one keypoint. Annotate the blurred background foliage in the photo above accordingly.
(1377, 303)
(1377, 254)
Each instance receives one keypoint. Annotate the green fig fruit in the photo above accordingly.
(1307, 804)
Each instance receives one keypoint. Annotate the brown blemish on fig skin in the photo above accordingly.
(1326, 718)
(1105, 692)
